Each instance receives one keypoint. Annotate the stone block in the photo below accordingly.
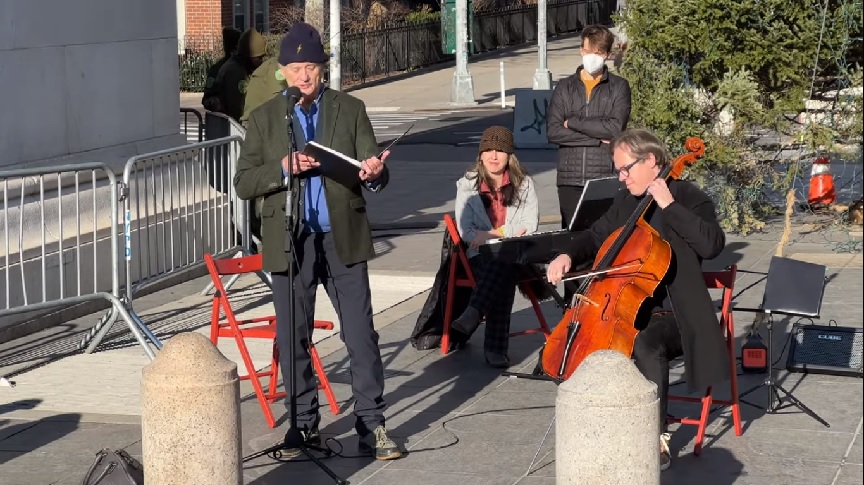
(109, 94)
(61, 22)
(607, 429)
(190, 417)
(34, 104)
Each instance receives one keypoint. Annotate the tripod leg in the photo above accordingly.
(795, 402)
(315, 460)
(750, 391)
(767, 382)
(773, 398)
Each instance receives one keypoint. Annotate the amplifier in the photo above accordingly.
(826, 349)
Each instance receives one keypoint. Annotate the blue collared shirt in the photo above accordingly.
(316, 215)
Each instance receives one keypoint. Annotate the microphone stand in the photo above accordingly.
(293, 437)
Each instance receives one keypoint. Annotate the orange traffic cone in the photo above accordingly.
(821, 183)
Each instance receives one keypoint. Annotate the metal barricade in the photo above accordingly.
(62, 223)
(178, 204)
(219, 125)
(195, 128)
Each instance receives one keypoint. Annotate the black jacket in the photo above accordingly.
(430, 323)
(691, 228)
(581, 153)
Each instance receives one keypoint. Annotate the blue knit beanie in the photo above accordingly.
(302, 44)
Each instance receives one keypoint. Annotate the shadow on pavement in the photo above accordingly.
(715, 466)
(425, 392)
(15, 441)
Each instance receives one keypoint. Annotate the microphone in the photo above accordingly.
(293, 94)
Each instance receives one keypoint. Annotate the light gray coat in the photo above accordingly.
(471, 215)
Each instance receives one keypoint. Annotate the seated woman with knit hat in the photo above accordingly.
(496, 198)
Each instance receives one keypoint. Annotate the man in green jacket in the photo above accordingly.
(264, 84)
(328, 238)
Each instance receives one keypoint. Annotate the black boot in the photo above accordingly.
(496, 360)
(468, 322)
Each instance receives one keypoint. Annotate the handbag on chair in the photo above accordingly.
(114, 468)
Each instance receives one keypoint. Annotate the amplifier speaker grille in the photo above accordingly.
(821, 349)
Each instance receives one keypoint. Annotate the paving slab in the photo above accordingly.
(459, 419)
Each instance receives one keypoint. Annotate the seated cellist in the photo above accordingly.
(679, 319)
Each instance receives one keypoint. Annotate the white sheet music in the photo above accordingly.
(326, 155)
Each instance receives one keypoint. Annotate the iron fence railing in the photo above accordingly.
(507, 26)
(405, 46)
(382, 52)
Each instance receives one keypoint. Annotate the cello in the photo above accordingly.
(629, 266)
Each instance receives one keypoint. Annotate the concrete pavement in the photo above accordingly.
(459, 419)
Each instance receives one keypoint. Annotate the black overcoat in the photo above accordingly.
(690, 226)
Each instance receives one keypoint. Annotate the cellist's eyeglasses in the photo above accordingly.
(625, 170)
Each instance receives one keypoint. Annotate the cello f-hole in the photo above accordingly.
(603, 316)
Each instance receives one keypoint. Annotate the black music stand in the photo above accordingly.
(793, 288)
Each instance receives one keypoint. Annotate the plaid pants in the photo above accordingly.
(493, 297)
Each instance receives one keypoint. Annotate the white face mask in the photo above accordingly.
(593, 63)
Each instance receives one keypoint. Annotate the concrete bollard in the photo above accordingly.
(190, 418)
(607, 430)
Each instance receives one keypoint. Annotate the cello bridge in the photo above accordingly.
(582, 298)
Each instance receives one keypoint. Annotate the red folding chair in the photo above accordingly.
(459, 261)
(261, 328)
(724, 280)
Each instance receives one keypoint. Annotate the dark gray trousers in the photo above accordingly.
(348, 289)
(655, 346)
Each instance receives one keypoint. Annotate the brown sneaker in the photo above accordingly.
(665, 455)
(379, 445)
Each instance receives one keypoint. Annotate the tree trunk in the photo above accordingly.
(315, 15)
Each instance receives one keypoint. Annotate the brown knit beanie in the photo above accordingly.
(497, 138)
(257, 46)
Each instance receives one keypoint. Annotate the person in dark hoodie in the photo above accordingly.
(234, 75)
(210, 99)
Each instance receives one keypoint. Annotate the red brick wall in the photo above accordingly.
(227, 13)
(204, 17)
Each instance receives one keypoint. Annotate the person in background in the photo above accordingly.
(210, 99)
(586, 110)
(234, 74)
(679, 318)
(265, 83)
(496, 198)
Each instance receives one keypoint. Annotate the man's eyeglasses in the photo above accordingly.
(625, 170)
